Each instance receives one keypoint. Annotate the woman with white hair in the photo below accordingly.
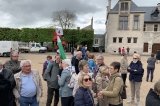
(153, 97)
(63, 81)
(135, 78)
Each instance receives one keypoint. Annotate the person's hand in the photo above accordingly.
(58, 76)
(135, 70)
(100, 94)
(129, 68)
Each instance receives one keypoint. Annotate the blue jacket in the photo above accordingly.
(92, 65)
(83, 97)
(63, 82)
(135, 76)
(83, 51)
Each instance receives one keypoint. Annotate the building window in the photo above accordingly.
(135, 40)
(114, 40)
(95, 41)
(144, 27)
(129, 40)
(123, 22)
(120, 40)
(136, 20)
(156, 27)
(124, 6)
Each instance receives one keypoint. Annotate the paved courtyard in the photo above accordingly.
(37, 60)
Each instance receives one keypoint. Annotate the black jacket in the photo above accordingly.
(75, 63)
(7, 83)
(152, 99)
(83, 97)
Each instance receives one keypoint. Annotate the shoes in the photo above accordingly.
(130, 101)
(147, 80)
(138, 104)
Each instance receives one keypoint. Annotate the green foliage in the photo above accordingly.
(84, 37)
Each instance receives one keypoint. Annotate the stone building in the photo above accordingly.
(136, 27)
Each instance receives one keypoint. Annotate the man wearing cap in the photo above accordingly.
(63, 81)
(124, 66)
(50, 76)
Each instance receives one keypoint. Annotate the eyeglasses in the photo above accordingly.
(26, 66)
(134, 58)
(87, 79)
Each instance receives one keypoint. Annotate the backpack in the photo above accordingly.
(123, 95)
(73, 76)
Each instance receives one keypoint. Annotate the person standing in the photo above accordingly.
(135, 78)
(13, 64)
(128, 49)
(83, 96)
(87, 56)
(50, 76)
(123, 68)
(83, 52)
(150, 67)
(75, 61)
(119, 50)
(152, 98)
(7, 83)
(64, 91)
(114, 87)
(28, 89)
(91, 63)
(100, 62)
(46, 64)
(123, 50)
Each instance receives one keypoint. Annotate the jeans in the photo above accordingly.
(116, 105)
(28, 101)
(124, 76)
(50, 94)
(67, 101)
(149, 70)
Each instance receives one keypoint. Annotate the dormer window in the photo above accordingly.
(124, 6)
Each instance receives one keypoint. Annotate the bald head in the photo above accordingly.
(79, 55)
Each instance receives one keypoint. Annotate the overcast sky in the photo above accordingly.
(38, 13)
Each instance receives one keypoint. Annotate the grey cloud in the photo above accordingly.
(100, 22)
(27, 12)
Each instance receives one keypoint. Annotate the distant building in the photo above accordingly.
(98, 42)
(136, 27)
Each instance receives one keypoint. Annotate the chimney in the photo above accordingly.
(92, 23)
(158, 5)
(78, 28)
(109, 5)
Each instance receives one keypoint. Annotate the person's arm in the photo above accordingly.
(47, 74)
(11, 79)
(122, 64)
(15, 90)
(79, 99)
(118, 83)
(129, 69)
(13, 68)
(44, 67)
(138, 70)
(99, 83)
(40, 84)
(62, 79)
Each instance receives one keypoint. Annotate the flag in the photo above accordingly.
(59, 32)
(61, 50)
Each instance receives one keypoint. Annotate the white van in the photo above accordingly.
(6, 47)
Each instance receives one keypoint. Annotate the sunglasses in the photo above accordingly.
(87, 79)
(134, 58)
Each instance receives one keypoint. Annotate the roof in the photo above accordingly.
(148, 10)
(99, 35)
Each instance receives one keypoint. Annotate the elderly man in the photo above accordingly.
(28, 88)
(100, 62)
(13, 64)
(50, 76)
(75, 61)
(87, 56)
(7, 83)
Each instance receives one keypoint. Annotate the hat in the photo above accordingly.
(67, 61)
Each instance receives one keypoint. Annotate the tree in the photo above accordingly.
(64, 18)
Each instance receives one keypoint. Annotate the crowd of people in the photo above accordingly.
(77, 81)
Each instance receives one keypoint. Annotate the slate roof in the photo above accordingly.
(99, 35)
(134, 8)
